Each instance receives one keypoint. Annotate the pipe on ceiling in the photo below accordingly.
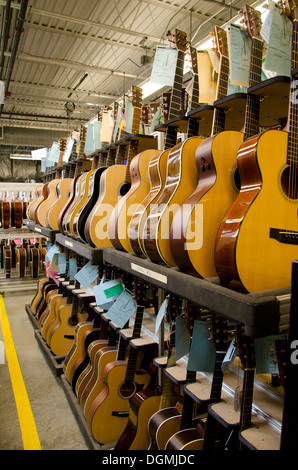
(7, 20)
(17, 36)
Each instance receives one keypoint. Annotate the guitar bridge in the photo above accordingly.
(120, 414)
(284, 236)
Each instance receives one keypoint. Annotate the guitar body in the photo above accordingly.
(142, 406)
(42, 194)
(77, 348)
(81, 361)
(43, 301)
(63, 190)
(162, 425)
(52, 319)
(187, 439)
(90, 199)
(85, 376)
(39, 293)
(157, 175)
(80, 202)
(108, 414)
(61, 336)
(95, 384)
(245, 243)
(78, 194)
(112, 185)
(196, 222)
(181, 182)
(43, 208)
(72, 196)
(123, 211)
(44, 314)
(6, 215)
(18, 213)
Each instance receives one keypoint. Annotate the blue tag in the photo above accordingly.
(50, 253)
(229, 357)
(106, 292)
(202, 351)
(265, 352)
(61, 263)
(87, 275)
(161, 314)
(122, 309)
(182, 338)
(72, 268)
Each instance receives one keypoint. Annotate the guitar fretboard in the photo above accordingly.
(219, 116)
(292, 155)
(252, 114)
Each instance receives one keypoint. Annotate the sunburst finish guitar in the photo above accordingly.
(258, 238)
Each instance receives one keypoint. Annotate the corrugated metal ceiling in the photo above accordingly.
(89, 52)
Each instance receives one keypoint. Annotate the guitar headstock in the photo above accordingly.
(253, 22)
(290, 8)
(178, 38)
(221, 41)
(145, 114)
(136, 96)
(193, 59)
(115, 107)
(219, 333)
(62, 144)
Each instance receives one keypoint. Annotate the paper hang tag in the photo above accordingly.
(277, 32)
(51, 251)
(239, 55)
(161, 314)
(72, 269)
(87, 275)
(229, 357)
(122, 309)
(61, 263)
(202, 351)
(265, 352)
(182, 337)
(106, 292)
(164, 66)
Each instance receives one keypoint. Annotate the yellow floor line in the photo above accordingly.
(26, 419)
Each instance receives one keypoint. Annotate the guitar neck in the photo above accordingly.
(292, 154)
(177, 87)
(252, 112)
(219, 116)
(132, 151)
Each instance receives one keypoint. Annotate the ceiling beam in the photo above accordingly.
(74, 65)
(109, 42)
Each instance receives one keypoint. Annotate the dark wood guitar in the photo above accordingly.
(258, 237)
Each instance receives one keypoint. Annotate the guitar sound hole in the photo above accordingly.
(289, 182)
(73, 321)
(127, 389)
(124, 189)
(236, 178)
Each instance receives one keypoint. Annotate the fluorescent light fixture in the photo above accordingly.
(20, 156)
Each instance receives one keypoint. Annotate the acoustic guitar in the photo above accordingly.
(108, 413)
(141, 150)
(80, 172)
(44, 207)
(112, 187)
(181, 178)
(61, 336)
(258, 237)
(196, 222)
(157, 172)
(42, 194)
(63, 193)
(194, 435)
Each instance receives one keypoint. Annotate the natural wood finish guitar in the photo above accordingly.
(258, 238)
(112, 187)
(45, 206)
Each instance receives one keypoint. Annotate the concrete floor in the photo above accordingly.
(56, 425)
